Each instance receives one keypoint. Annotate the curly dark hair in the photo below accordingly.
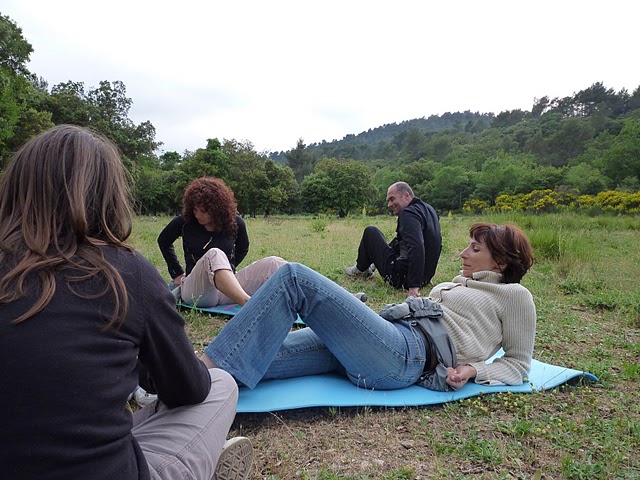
(213, 196)
(508, 245)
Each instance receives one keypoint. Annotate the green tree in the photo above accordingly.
(317, 192)
(14, 49)
(169, 161)
(259, 184)
(154, 192)
(106, 109)
(14, 82)
(452, 186)
(301, 160)
(585, 179)
(210, 161)
(247, 177)
(68, 104)
(570, 140)
(339, 186)
(283, 189)
(500, 175)
(622, 160)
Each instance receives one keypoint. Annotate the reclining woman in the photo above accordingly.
(483, 309)
(80, 311)
(215, 241)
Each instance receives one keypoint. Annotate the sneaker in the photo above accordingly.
(355, 272)
(235, 460)
(143, 398)
(361, 296)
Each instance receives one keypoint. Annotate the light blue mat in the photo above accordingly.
(230, 309)
(219, 309)
(332, 390)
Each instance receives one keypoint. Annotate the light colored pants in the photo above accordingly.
(185, 442)
(198, 288)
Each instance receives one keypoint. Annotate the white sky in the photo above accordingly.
(273, 71)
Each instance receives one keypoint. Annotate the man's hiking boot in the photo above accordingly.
(355, 272)
(235, 460)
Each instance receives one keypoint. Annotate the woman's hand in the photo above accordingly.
(460, 375)
(178, 280)
(414, 292)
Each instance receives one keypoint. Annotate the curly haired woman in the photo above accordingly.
(215, 241)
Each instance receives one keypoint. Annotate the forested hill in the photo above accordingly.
(579, 151)
(373, 142)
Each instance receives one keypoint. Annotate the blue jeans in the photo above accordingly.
(344, 335)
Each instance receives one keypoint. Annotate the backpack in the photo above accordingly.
(427, 315)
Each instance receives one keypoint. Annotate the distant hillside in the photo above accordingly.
(366, 145)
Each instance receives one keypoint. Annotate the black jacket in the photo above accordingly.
(418, 243)
(196, 240)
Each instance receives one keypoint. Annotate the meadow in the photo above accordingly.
(586, 286)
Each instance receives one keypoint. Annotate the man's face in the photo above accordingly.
(397, 201)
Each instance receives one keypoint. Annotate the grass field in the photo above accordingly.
(586, 285)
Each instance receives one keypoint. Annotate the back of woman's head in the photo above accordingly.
(64, 186)
(63, 194)
(214, 197)
(508, 245)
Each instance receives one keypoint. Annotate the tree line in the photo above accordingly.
(582, 144)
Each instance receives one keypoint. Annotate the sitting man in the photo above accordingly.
(410, 260)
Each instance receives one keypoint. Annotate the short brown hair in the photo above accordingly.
(508, 246)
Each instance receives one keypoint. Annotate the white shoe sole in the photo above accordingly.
(235, 460)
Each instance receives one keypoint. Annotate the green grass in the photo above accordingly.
(586, 285)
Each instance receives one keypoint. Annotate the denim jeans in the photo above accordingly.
(343, 335)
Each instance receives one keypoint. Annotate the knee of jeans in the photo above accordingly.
(290, 268)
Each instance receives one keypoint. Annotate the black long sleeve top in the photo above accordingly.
(66, 381)
(418, 242)
(196, 240)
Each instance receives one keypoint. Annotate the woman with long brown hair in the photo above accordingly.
(215, 241)
(81, 315)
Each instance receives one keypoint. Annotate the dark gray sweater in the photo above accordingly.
(66, 382)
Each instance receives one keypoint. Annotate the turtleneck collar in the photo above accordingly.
(485, 276)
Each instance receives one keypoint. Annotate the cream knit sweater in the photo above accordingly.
(481, 315)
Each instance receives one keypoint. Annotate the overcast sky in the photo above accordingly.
(272, 71)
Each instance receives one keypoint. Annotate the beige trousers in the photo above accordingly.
(199, 288)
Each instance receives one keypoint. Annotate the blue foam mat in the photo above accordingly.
(331, 390)
(219, 309)
(230, 309)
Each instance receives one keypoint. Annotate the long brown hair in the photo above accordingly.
(214, 197)
(508, 245)
(63, 196)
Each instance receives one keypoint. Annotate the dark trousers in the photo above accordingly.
(375, 249)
